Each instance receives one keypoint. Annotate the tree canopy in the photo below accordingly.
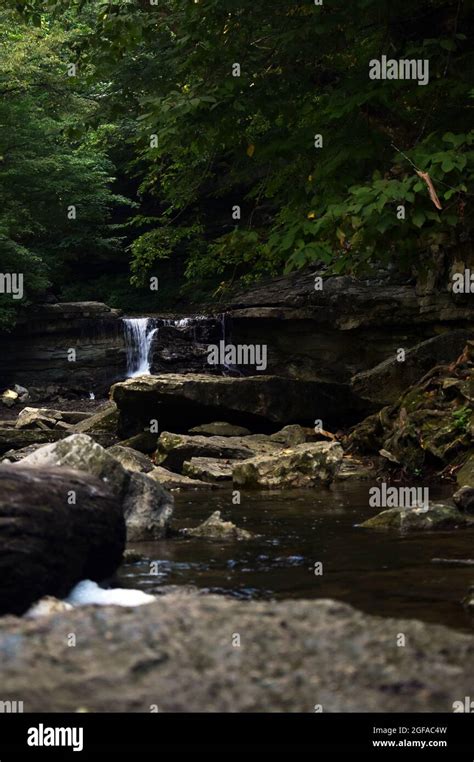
(248, 136)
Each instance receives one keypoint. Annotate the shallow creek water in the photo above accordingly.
(382, 573)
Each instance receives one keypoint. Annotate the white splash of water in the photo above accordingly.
(139, 334)
(88, 592)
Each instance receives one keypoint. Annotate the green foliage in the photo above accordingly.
(462, 417)
(45, 169)
(222, 140)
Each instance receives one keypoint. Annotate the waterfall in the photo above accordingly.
(139, 334)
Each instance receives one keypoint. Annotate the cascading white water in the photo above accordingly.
(139, 334)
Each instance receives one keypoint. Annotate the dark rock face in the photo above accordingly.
(430, 426)
(180, 345)
(47, 545)
(36, 352)
(179, 402)
(348, 327)
(293, 655)
(385, 383)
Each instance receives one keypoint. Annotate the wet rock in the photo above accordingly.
(220, 429)
(133, 556)
(214, 528)
(436, 516)
(47, 542)
(130, 659)
(181, 401)
(302, 466)
(174, 449)
(131, 460)
(464, 499)
(148, 508)
(172, 481)
(209, 469)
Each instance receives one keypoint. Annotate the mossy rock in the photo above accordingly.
(437, 516)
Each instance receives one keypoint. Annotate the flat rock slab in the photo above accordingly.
(178, 653)
(170, 480)
(209, 469)
(174, 449)
(181, 401)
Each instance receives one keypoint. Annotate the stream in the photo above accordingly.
(386, 573)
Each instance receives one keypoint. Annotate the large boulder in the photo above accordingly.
(180, 402)
(174, 449)
(57, 526)
(302, 466)
(179, 655)
(80, 452)
(147, 506)
(384, 384)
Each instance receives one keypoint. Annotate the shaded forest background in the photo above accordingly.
(154, 142)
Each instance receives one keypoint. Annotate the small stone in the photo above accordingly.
(9, 398)
(214, 528)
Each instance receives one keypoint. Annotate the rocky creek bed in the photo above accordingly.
(184, 485)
